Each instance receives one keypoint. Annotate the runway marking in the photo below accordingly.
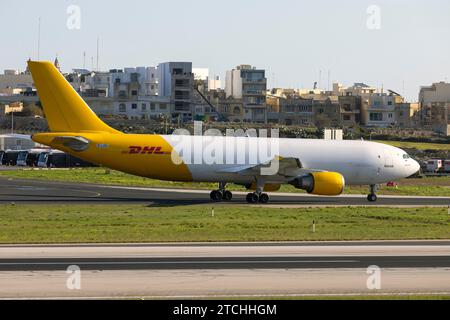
(169, 262)
(344, 243)
(282, 194)
(37, 189)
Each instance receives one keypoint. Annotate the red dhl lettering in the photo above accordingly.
(145, 150)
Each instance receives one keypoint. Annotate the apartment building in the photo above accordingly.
(378, 110)
(249, 84)
(406, 115)
(434, 107)
(12, 82)
(326, 111)
(176, 81)
(350, 110)
(295, 110)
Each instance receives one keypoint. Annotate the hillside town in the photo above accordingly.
(177, 94)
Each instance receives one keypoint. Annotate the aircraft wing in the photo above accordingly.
(287, 167)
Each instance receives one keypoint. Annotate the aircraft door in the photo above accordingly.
(388, 159)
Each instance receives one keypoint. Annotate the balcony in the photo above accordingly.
(252, 81)
(350, 111)
(254, 92)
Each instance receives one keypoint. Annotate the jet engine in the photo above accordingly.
(321, 183)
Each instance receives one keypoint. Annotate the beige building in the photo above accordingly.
(434, 107)
(326, 111)
(296, 111)
(350, 110)
(249, 84)
(15, 83)
(405, 114)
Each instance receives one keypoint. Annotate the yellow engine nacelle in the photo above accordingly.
(321, 183)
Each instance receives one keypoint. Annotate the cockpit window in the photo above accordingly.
(406, 156)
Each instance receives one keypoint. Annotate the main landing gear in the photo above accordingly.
(372, 197)
(221, 194)
(257, 197)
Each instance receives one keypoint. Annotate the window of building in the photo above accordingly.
(163, 106)
(122, 107)
(390, 115)
(376, 116)
(134, 92)
(304, 108)
(152, 106)
(347, 117)
(401, 113)
(134, 106)
(144, 106)
(389, 103)
(237, 110)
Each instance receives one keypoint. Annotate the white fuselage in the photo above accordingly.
(360, 162)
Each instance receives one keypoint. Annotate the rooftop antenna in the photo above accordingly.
(320, 78)
(39, 39)
(92, 61)
(329, 75)
(98, 42)
(84, 59)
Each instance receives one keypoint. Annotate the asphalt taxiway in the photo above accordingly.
(46, 192)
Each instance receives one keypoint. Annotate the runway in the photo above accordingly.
(221, 269)
(45, 192)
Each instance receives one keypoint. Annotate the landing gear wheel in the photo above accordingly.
(216, 195)
(372, 197)
(252, 198)
(227, 196)
(264, 198)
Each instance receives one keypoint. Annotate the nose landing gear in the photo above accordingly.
(372, 197)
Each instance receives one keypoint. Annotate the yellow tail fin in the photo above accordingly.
(64, 109)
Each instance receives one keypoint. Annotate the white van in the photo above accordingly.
(447, 166)
(434, 165)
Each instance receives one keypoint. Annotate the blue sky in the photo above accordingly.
(293, 40)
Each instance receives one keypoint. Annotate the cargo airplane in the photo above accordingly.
(320, 167)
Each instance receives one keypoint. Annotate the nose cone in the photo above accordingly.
(415, 167)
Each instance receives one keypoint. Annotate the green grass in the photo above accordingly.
(137, 223)
(417, 145)
(436, 186)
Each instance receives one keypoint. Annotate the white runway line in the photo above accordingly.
(284, 194)
(243, 250)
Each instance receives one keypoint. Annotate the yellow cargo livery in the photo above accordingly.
(260, 164)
